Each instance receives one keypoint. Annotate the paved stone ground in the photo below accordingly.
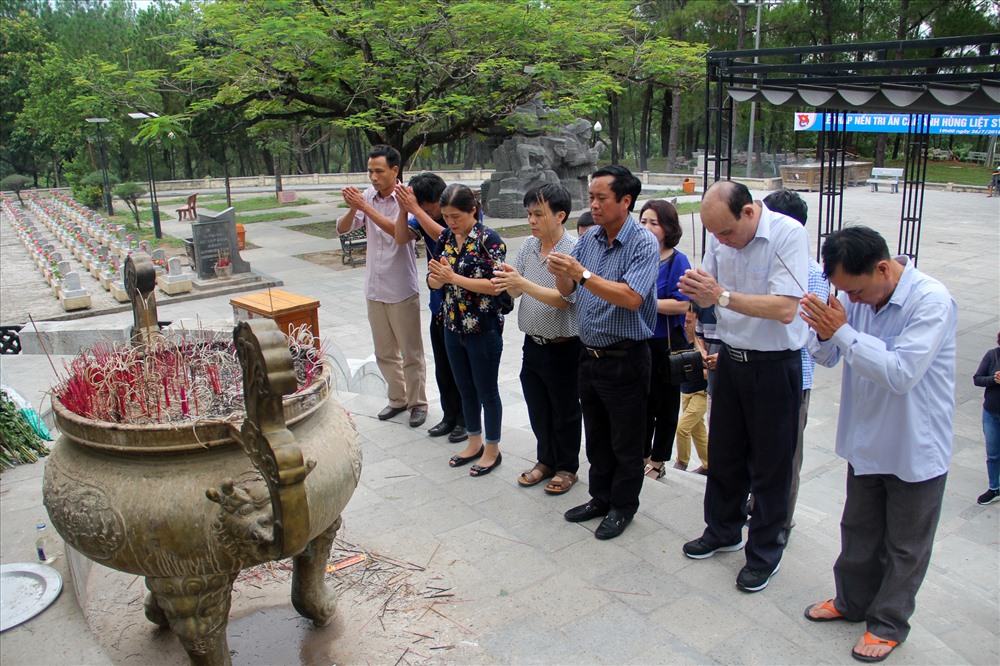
(531, 588)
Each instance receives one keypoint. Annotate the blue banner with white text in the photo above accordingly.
(897, 122)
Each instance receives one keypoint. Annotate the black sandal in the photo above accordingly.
(657, 472)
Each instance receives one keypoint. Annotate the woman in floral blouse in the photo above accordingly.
(473, 323)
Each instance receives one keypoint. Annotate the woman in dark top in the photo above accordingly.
(664, 403)
(473, 335)
(988, 376)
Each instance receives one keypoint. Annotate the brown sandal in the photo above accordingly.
(535, 475)
(561, 483)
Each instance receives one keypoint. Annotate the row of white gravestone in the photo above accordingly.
(104, 254)
(64, 281)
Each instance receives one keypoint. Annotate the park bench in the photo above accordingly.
(881, 175)
(190, 210)
(352, 242)
(978, 158)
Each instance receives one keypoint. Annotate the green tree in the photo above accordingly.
(410, 73)
(130, 193)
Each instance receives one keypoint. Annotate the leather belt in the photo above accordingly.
(749, 355)
(617, 350)
(539, 340)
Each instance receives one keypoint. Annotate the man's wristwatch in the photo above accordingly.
(724, 299)
(583, 278)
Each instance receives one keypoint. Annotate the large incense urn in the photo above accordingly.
(189, 507)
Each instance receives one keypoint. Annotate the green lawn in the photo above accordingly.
(180, 201)
(271, 217)
(960, 173)
(321, 229)
(126, 217)
(257, 203)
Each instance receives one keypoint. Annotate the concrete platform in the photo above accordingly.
(529, 587)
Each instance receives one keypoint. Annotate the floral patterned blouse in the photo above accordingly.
(482, 252)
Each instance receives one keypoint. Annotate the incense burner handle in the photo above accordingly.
(139, 276)
(268, 375)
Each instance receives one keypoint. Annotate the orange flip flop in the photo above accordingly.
(826, 606)
(872, 639)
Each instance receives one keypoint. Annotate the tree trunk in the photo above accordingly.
(880, 143)
(277, 173)
(355, 163)
(470, 154)
(675, 130)
(644, 127)
(665, 120)
(188, 164)
(55, 168)
(613, 126)
(225, 174)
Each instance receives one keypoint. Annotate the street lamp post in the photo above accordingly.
(104, 162)
(153, 203)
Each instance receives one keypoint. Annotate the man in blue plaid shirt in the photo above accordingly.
(613, 270)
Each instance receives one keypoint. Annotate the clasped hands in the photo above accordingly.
(700, 287)
(824, 318)
(406, 199)
(353, 198)
(442, 273)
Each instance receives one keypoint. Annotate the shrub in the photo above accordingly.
(15, 182)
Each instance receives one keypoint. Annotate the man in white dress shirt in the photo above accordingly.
(894, 327)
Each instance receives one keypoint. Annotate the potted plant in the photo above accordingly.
(223, 266)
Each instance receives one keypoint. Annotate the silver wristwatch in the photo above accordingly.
(586, 276)
(724, 299)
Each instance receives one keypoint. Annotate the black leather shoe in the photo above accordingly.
(458, 435)
(389, 412)
(442, 428)
(612, 525)
(458, 461)
(481, 470)
(584, 512)
(417, 417)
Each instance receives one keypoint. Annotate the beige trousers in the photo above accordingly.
(691, 426)
(399, 350)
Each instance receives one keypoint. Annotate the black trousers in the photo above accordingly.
(886, 537)
(613, 392)
(550, 382)
(663, 407)
(451, 399)
(751, 438)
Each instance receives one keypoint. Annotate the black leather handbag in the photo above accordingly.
(681, 366)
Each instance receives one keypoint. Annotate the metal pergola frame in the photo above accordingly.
(874, 77)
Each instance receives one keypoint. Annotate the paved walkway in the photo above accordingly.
(529, 587)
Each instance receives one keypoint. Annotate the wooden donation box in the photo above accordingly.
(288, 310)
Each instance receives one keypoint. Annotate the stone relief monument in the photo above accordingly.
(561, 155)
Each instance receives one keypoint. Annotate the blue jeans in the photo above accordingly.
(475, 362)
(991, 428)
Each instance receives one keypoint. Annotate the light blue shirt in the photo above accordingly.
(632, 258)
(819, 286)
(755, 269)
(897, 396)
